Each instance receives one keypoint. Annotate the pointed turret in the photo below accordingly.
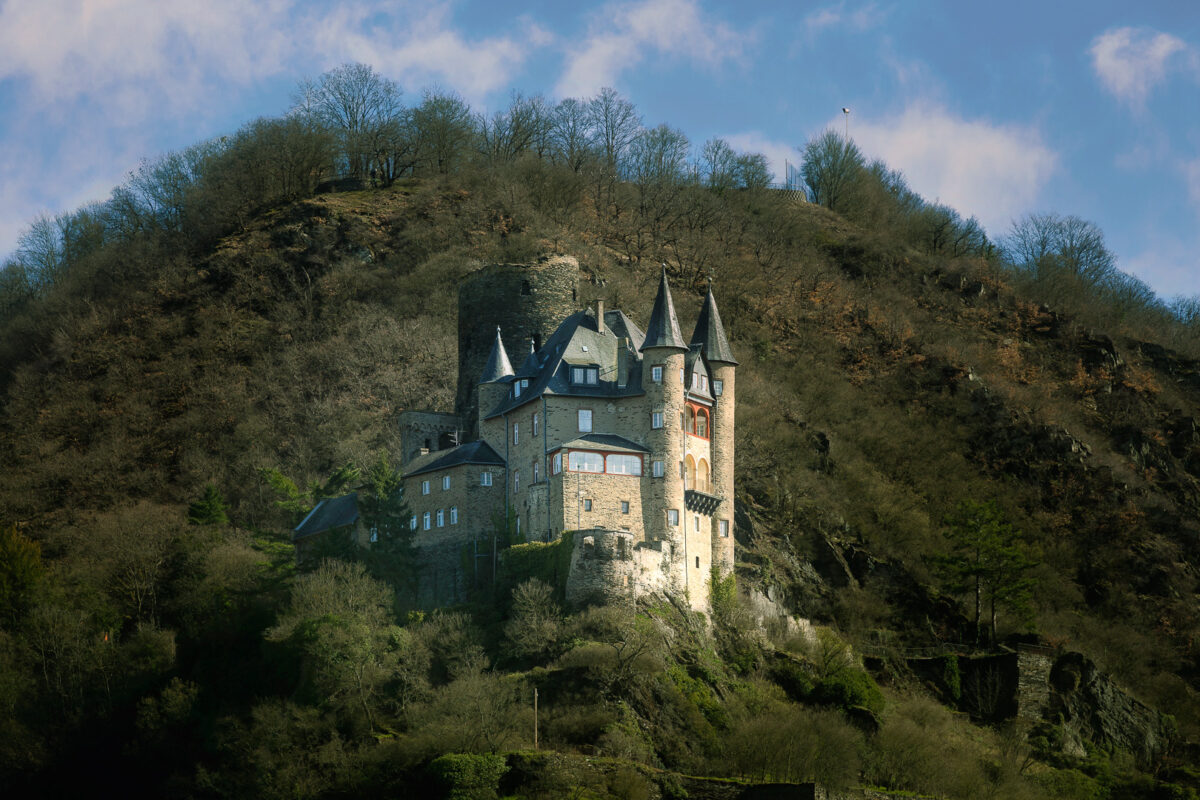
(663, 330)
(710, 334)
(498, 365)
(531, 365)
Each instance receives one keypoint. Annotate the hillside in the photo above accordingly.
(883, 383)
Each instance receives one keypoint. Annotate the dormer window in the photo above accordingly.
(520, 385)
(585, 376)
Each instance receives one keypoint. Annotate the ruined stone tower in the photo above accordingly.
(526, 301)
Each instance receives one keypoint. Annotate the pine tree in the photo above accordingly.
(210, 509)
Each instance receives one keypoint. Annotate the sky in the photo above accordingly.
(1083, 107)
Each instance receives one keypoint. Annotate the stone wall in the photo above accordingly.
(608, 566)
(527, 302)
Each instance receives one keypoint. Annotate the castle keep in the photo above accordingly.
(582, 422)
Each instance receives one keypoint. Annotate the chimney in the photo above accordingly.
(622, 363)
(600, 316)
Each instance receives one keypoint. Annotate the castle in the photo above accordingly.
(622, 436)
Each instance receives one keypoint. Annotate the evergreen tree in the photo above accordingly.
(210, 509)
(986, 559)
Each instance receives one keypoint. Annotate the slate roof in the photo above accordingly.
(477, 452)
(498, 365)
(663, 330)
(604, 441)
(333, 512)
(578, 342)
(710, 334)
(690, 360)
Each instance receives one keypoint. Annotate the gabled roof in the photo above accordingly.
(477, 452)
(498, 365)
(694, 356)
(604, 441)
(663, 330)
(710, 334)
(333, 512)
(579, 342)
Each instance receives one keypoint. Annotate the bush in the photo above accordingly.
(850, 687)
(469, 777)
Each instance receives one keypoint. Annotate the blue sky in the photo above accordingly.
(1087, 108)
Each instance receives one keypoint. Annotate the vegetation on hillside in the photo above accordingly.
(911, 392)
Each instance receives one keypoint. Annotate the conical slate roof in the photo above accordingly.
(710, 334)
(497, 366)
(663, 330)
(531, 365)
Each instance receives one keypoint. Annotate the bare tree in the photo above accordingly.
(359, 103)
(614, 123)
(570, 134)
(832, 167)
(443, 128)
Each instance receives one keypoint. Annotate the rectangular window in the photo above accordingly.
(718, 387)
(656, 374)
(556, 464)
(587, 504)
(412, 523)
(618, 464)
(585, 420)
(656, 420)
(584, 461)
(445, 483)
(485, 479)
(585, 376)
(424, 487)
(624, 506)
(426, 520)
(516, 481)
(724, 526)
(441, 517)
(697, 562)
(516, 432)
(681, 379)
(696, 524)
(657, 470)
(536, 470)
(374, 534)
(453, 515)
(673, 517)
(535, 424)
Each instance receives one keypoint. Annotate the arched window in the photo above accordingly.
(702, 482)
(689, 473)
(702, 423)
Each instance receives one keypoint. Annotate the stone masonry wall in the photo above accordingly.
(608, 566)
(527, 301)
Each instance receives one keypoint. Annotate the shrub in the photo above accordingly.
(469, 777)
(850, 687)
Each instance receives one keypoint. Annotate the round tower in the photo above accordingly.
(527, 301)
(662, 367)
(714, 344)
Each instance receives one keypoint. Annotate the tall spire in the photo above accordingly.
(663, 330)
(710, 334)
(497, 366)
(531, 365)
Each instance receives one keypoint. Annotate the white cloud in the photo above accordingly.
(621, 35)
(993, 172)
(860, 19)
(1130, 62)
(1191, 175)
(778, 153)
(1169, 266)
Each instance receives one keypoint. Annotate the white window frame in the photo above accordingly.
(453, 515)
(657, 469)
(445, 483)
(516, 481)
(656, 374)
(535, 423)
(723, 525)
(441, 517)
(556, 464)
(587, 504)
(696, 523)
(584, 420)
(516, 432)
(656, 420)
(718, 388)
(536, 471)
(427, 520)
(424, 487)
(412, 523)
(485, 478)
(624, 506)
(673, 517)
